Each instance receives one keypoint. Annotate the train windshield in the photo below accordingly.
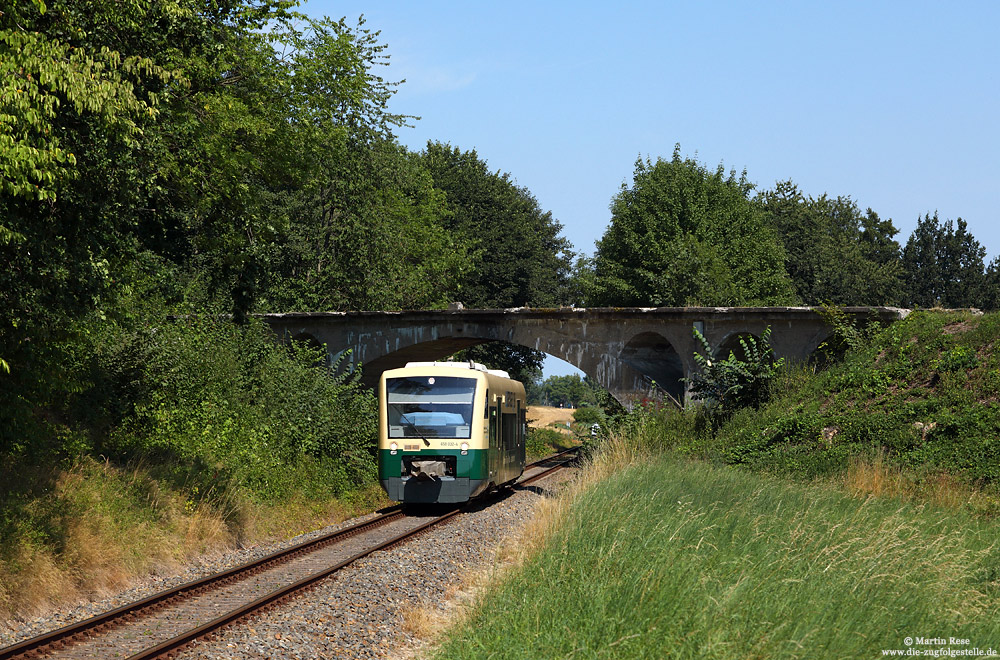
(430, 406)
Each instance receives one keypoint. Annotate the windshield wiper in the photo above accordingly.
(403, 418)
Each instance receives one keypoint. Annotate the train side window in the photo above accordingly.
(522, 422)
(508, 431)
(486, 408)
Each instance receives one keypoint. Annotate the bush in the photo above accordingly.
(543, 442)
(170, 438)
(216, 398)
(921, 393)
(730, 384)
(588, 416)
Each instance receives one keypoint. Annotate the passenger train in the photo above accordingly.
(449, 431)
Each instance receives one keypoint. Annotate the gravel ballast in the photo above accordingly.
(357, 613)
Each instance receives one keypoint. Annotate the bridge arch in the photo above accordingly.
(653, 356)
(731, 344)
(441, 347)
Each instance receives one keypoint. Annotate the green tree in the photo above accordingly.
(943, 265)
(991, 286)
(570, 391)
(76, 100)
(835, 253)
(517, 255)
(245, 133)
(180, 148)
(375, 206)
(257, 160)
(684, 235)
(47, 74)
(520, 257)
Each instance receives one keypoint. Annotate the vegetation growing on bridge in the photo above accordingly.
(919, 398)
(920, 395)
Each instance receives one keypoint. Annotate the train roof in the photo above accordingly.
(475, 366)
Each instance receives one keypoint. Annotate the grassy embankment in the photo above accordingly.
(868, 516)
(181, 439)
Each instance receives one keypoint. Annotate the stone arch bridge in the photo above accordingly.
(632, 352)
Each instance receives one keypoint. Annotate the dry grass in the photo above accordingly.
(299, 516)
(427, 623)
(32, 583)
(116, 527)
(106, 540)
(867, 477)
(874, 477)
(540, 417)
(615, 455)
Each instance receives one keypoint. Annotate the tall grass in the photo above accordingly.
(887, 528)
(679, 559)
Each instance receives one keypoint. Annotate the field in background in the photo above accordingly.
(540, 417)
(548, 431)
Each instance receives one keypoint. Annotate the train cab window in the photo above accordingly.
(430, 406)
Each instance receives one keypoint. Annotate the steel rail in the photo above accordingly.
(275, 597)
(565, 461)
(66, 635)
(177, 643)
(130, 610)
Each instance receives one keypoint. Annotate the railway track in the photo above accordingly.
(162, 624)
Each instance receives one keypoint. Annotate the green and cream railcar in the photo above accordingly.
(449, 431)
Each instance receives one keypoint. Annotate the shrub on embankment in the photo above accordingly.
(227, 396)
(169, 439)
(920, 397)
(922, 394)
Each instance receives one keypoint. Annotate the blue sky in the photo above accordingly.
(895, 104)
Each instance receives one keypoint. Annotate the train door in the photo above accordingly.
(493, 454)
(508, 438)
(522, 435)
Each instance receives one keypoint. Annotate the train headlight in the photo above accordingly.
(465, 448)
(393, 447)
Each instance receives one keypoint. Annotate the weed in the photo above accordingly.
(543, 442)
(726, 385)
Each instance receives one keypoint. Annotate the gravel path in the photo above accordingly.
(356, 614)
